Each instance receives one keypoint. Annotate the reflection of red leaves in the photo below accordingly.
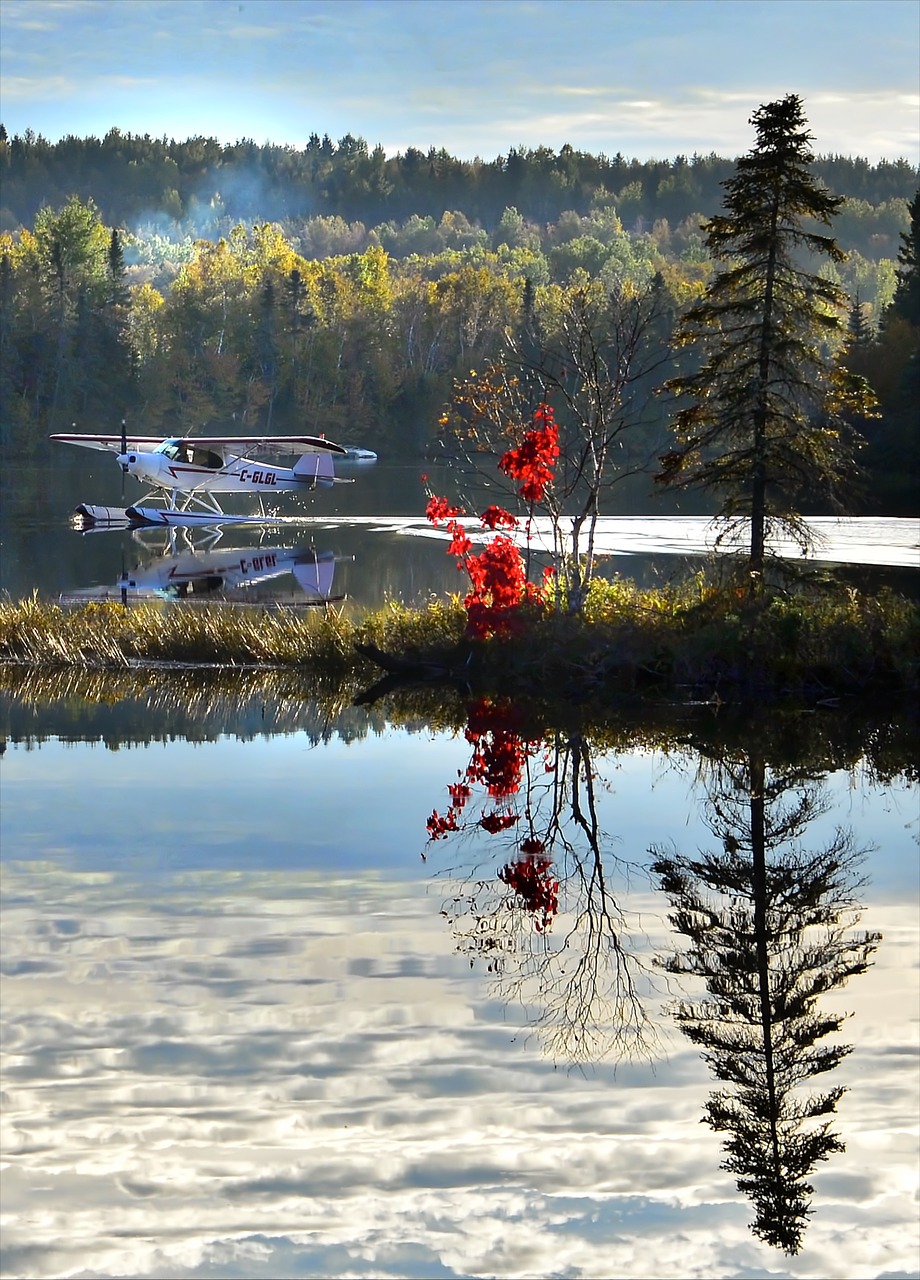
(499, 756)
(499, 751)
(494, 822)
(534, 885)
(439, 826)
(497, 765)
(486, 715)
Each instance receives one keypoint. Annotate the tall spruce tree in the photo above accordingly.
(765, 423)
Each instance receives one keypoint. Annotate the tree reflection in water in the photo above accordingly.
(769, 930)
(545, 923)
(764, 927)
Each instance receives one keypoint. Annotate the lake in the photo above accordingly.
(373, 534)
(257, 1021)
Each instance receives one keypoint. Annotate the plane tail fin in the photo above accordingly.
(315, 573)
(316, 467)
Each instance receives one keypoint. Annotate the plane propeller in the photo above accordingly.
(124, 450)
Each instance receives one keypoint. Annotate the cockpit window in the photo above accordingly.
(184, 451)
(205, 458)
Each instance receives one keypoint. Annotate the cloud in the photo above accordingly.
(25, 88)
(474, 79)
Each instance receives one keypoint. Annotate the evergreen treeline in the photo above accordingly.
(333, 289)
(135, 180)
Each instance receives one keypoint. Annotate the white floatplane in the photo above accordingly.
(183, 473)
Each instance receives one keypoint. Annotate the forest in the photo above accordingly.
(333, 289)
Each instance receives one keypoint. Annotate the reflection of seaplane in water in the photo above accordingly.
(228, 573)
(183, 474)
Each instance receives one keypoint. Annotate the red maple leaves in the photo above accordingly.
(532, 462)
(499, 590)
(499, 587)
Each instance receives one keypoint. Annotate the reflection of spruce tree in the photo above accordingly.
(767, 926)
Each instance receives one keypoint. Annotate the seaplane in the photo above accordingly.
(184, 473)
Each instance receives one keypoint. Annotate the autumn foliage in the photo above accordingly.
(499, 586)
(532, 879)
(497, 762)
(531, 463)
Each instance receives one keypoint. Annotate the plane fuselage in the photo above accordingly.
(182, 466)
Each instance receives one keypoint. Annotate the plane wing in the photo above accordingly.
(276, 444)
(245, 444)
(137, 444)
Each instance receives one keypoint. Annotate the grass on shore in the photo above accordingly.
(692, 641)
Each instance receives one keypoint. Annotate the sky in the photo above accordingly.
(647, 78)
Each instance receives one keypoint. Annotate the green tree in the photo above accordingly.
(906, 302)
(72, 263)
(893, 362)
(765, 421)
(10, 369)
(116, 375)
(859, 331)
(513, 231)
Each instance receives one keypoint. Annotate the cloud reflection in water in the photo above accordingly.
(217, 1072)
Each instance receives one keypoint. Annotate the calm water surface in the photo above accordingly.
(367, 542)
(249, 1030)
(256, 1024)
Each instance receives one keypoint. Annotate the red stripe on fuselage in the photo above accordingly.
(195, 471)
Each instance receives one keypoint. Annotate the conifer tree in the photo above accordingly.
(906, 301)
(765, 420)
(859, 331)
(893, 361)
